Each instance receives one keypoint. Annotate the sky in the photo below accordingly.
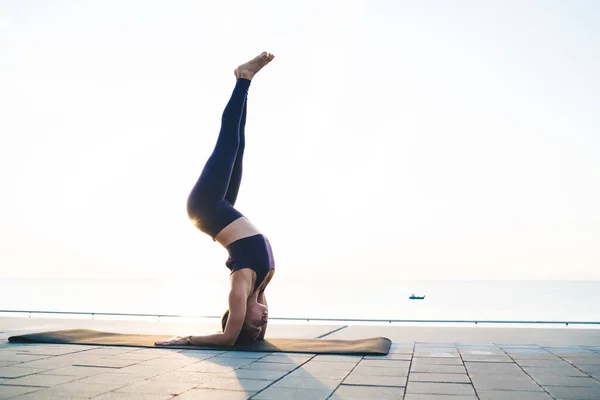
(388, 140)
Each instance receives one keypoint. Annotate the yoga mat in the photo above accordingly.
(375, 345)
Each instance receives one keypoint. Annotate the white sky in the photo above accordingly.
(388, 139)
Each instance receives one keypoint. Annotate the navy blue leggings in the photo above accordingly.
(210, 203)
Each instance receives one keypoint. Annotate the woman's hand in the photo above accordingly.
(176, 341)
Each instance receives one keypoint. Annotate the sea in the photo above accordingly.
(558, 301)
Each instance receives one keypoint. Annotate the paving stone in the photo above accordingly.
(316, 365)
(228, 361)
(558, 380)
(50, 350)
(248, 385)
(511, 395)
(323, 373)
(337, 358)
(436, 354)
(390, 356)
(77, 371)
(39, 395)
(594, 373)
(421, 345)
(429, 377)
(106, 362)
(244, 354)
(401, 349)
(113, 378)
(307, 383)
(49, 363)
(549, 371)
(109, 351)
(285, 359)
(380, 371)
(589, 354)
(17, 372)
(76, 389)
(133, 396)
(19, 358)
(412, 396)
(573, 393)
(190, 358)
(40, 380)
(589, 368)
(543, 363)
(270, 366)
(505, 382)
(440, 388)
(213, 394)
(482, 352)
(367, 392)
(565, 355)
(183, 377)
(490, 358)
(135, 355)
(201, 353)
(160, 352)
(293, 394)
(175, 363)
(525, 350)
(256, 374)
(384, 363)
(146, 370)
(538, 356)
(436, 348)
(476, 346)
(583, 361)
(157, 387)
(375, 380)
(11, 391)
(439, 369)
(438, 361)
(475, 368)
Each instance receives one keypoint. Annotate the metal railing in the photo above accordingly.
(309, 319)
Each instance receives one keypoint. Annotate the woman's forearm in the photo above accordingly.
(218, 339)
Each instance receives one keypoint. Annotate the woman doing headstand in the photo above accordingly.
(210, 207)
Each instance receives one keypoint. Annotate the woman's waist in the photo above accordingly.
(239, 229)
(253, 251)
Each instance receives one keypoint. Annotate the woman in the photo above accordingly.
(210, 207)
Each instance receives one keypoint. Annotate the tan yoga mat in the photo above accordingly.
(375, 345)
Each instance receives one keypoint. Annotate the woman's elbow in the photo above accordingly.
(228, 340)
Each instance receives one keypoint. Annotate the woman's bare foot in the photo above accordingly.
(249, 69)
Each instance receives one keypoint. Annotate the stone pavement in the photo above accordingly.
(441, 367)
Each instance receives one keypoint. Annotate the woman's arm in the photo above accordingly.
(262, 299)
(237, 313)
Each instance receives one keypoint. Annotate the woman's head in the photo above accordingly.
(256, 317)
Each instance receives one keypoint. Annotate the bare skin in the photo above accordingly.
(246, 306)
(249, 69)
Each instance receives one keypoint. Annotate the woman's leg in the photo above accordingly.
(213, 184)
(236, 174)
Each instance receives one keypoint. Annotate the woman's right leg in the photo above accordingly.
(213, 184)
(236, 174)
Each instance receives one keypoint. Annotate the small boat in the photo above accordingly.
(415, 297)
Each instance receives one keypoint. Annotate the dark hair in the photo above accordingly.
(245, 335)
(224, 319)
